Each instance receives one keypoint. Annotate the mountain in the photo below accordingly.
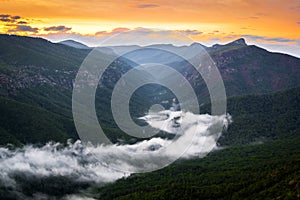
(237, 43)
(257, 157)
(22, 52)
(245, 69)
(74, 44)
(22, 123)
(39, 75)
(248, 69)
(262, 117)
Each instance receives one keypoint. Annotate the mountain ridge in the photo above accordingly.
(75, 44)
(46, 81)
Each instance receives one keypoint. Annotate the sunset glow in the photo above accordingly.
(269, 23)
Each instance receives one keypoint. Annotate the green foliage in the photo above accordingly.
(23, 58)
(23, 123)
(267, 168)
(22, 51)
(265, 171)
(220, 49)
(7, 138)
(42, 112)
(259, 118)
(54, 99)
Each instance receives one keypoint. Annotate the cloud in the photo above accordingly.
(23, 28)
(114, 31)
(147, 6)
(298, 23)
(58, 28)
(295, 8)
(278, 44)
(22, 22)
(278, 39)
(268, 39)
(148, 31)
(190, 32)
(248, 28)
(77, 164)
(15, 24)
(8, 18)
(232, 36)
(16, 17)
(275, 44)
(4, 15)
(5, 18)
(145, 36)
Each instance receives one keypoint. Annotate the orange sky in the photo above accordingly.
(265, 22)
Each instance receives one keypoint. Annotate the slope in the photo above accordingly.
(265, 171)
(261, 160)
(22, 123)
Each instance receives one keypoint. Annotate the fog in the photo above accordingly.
(78, 166)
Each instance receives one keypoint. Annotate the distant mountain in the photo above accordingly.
(245, 69)
(74, 44)
(35, 72)
(260, 159)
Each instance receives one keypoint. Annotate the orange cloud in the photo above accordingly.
(147, 5)
(114, 31)
(60, 28)
(269, 19)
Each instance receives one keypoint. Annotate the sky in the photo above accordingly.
(271, 24)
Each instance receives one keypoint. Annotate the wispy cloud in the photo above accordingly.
(268, 39)
(4, 15)
(276, 44)
(9, 18)
(156, 36)
(58, 28)
(295, 8)
(22, 22)
(114, 31)
(16, 17)
(232, 37)
(23, 28)
(137, 36)
(147, 6)
(17, 25)
(190, 32)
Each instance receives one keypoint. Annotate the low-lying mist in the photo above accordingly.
(57, 170)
